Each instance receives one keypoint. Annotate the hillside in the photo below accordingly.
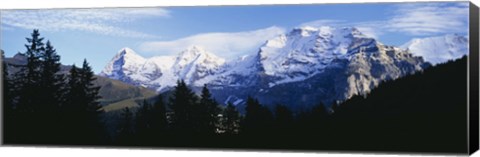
(118, 95)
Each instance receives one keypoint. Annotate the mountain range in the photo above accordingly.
(303, 67)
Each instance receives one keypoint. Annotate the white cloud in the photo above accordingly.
(323, 22)
(369, 31)
(430, 18)
(100, 21)
(368, 28)
(227, 45)
(417, 19)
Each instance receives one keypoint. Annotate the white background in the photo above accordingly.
(86, 152)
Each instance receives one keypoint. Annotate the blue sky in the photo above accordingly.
(228, 31)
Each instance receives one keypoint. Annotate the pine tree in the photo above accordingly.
(183, 103)
(75, 93)
(91, 108)
(8, 108)
(231, 119)
(318, 117)
(29, 76)
(258, 118)
(143, 120)
(208, 111)
(126, 131)
(158, 118)
(283, 117)
(333, 108)
(52, 84)
(81, 109)
(73, 108)
(28, 81)
(51, 81)
(40, 92)
(87, 77)
(7, 86)
(48, 108)
(252, 109)
(150, 122)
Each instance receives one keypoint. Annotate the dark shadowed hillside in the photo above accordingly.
(422, 112)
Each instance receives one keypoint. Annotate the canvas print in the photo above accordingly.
(388, 77)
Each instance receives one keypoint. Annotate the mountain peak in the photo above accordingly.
(438, 49)
(20, 56)
(126, 51)
(195, 63)
(314, 46)
(125, 61)
(17, 59)
(325, 31)
(302, 31)
(196, 48)
(192, 51)
(457, 38)
(127, 54)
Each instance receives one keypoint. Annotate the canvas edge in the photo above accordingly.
(473, 67)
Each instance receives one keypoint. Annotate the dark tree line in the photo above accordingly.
(148, 124)
(44, 106)
(184, 115)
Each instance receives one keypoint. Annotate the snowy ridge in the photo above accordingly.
(305, 51)
(161, 72)
(196, 63)
(438, 49)
(125, 62)
(235, 73)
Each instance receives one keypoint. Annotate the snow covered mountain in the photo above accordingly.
(306, 51)
(438, 49)
(162, 72)
(311, 65)
(125, 65)
(301, 68)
